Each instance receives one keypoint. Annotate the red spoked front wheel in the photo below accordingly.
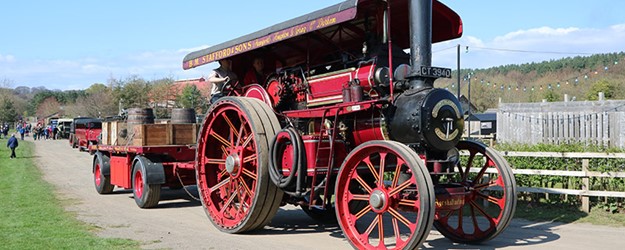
(491, 199)
(384, 197)
(232, 167)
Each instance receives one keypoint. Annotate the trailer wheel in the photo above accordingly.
(146, 195)
(491, 203)
(101, 181)
(232, 170)
(397, 188)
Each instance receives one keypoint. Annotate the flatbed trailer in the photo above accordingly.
(144, 169)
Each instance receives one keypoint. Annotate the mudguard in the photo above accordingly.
(154, 171)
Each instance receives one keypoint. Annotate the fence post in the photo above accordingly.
(585, 186)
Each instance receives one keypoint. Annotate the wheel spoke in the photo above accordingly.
(221, 139)
(399, 188)
(363, 184)
(249, 173)
(460, 219)
(399, 217)
(247, 189)
(400, 162)
(360, 197)
(381, 230)
(479, 209)
(476, 227)
(485, 185)
(232, 127)
(396, 231)
(214, 161)
(240, 133)
(491, 199)
(382, 167)
(407, 202)
(362, 212)
(250, 158)
(371, 168)
(220, 184)
(469, 165)
(247, 141)
(372, 226)
(482, 171)
(228, 202)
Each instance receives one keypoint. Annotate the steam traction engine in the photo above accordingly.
(350, 128)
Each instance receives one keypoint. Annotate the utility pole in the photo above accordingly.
(458, 71)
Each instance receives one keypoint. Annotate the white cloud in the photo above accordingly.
(81, 73)
(7, 58)
(532, 45)
(502, 50)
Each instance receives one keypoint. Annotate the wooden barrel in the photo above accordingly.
(179, 116)
(140, 116)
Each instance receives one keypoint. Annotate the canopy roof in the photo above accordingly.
(341, 27)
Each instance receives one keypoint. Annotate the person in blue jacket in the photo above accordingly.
(12, 144)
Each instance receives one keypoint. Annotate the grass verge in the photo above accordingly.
(567, 213)
(31, 217)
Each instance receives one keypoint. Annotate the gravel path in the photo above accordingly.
(179, 222)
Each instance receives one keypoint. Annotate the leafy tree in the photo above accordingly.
(7, 111)
(163, 95)
(132, 92)
(191, 97)
(604, 86)
(96, 88)
(551, 96)
(48, 107)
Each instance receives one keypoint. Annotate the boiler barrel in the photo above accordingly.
(179, 116)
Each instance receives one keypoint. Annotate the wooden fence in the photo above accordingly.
(585, 174)
(593, 123)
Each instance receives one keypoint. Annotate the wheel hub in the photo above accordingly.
(378, 200)
(233, 164)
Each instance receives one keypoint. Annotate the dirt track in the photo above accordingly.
(179, 222)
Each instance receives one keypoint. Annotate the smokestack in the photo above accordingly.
(420, 41)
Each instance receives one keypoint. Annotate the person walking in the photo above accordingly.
(22, 131)
(12, 144)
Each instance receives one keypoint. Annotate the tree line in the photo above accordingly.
(99, 99)
(580, 77)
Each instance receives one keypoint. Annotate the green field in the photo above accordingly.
(32, 217)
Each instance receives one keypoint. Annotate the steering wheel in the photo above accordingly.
(231, 88)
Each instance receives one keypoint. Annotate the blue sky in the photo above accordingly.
(73, 44)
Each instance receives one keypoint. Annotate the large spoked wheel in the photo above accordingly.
(396, 187)
(101, 181)
(491, 201)
(146, 195)
(232, 172)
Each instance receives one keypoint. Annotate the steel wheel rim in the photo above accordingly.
(138, 185)
(475, 221)
(96, 175)
(388, 213)
(228, 165)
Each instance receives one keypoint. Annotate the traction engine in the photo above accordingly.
(372, 146)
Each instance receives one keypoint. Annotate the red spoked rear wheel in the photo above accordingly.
(384, 197)
(491, 199)
(232, 170)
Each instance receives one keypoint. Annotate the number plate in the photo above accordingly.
(434, 72)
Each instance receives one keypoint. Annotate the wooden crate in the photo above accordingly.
(106, 133)
(116, 128)
(164, 134)
(183, 134)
